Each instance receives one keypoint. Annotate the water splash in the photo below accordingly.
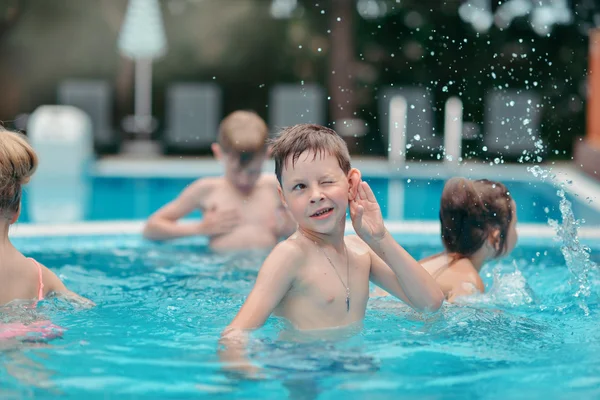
(508, 289)
(541, 173)
(576, 255)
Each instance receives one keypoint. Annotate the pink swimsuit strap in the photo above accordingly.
(40, 280)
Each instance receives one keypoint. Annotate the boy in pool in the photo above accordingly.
(317, 278)
(241, 209)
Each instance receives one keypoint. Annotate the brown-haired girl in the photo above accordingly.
(478, 222)
(20, 277)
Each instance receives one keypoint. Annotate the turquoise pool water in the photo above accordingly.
(161, 308)
(412, 199)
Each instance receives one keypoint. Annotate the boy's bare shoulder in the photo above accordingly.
(356, 244)
(206, 184)
(291, 250)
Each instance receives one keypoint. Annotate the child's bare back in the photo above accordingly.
(21, 278)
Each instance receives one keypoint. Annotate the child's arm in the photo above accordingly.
(408, 281)
(274, 280)
(164, 224)
(53, 284)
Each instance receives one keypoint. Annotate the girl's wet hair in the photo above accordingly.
(18, 162)
(470, 211)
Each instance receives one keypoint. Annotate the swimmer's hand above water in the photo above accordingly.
(392, 267)
(366, 214)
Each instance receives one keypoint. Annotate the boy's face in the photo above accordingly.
(316, 191)
(242, 177)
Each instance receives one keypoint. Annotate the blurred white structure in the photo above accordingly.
(397, 132)
(399, 121)
(95, 98)
(62, 138)
(453, 131)
(142, 38)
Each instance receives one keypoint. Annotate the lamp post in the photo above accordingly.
(142, 38)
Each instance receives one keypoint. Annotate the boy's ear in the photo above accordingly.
(354, 179)
(217, 150)
(281, 195)
(269, 152)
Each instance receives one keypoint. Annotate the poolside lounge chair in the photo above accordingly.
(192, 117)
(421, 136)
(512, 119)
(291, 104)
(94, 97)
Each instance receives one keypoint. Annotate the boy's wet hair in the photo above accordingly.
(243, 134)
(470, 211)
(18, 162)
(295, 140)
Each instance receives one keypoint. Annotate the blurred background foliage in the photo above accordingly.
(247, 46)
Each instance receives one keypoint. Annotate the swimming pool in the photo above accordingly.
(161, 308)
(105, 198)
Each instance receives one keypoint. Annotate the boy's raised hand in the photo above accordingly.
(366, 214)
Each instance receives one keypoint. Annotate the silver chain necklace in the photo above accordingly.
(336, 272)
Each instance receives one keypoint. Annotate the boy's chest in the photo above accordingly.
(257, 206)
(327, 287)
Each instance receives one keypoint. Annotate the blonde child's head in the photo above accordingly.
(242, 147)
(18, 162)
(243, 135)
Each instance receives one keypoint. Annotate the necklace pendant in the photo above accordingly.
(347, 303)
